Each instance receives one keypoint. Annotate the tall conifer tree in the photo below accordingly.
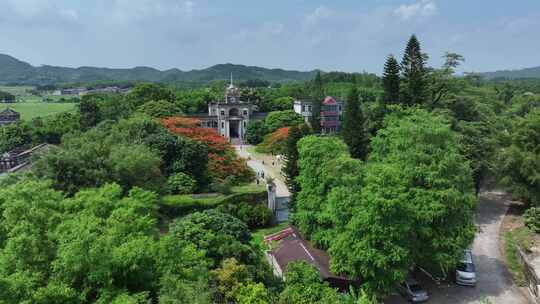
(414, 72)
(317, 96)
(391, 80)
(291, 169)
(353, 131)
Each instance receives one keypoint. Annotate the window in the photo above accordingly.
(245, 123)
(222, 112)
(309, 108)
(339, 108)
(245, 112)
(223, 125)
(303, 108)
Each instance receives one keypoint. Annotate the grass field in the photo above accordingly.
(23, 94)
(31, 110)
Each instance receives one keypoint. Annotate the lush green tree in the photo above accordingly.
(353, 129)
(290, 169)
(178, 154)
(88, 113)
(181, 183)
(328, 179)
(282, 103)
(146, 92)
(184, 274)
(317, 96)
(280, 119)
(416, 206)
(160, 108)
(391, 80)
(441, 83)
(230, 277)
(255, 216)
(255, 131)
(14, 135)
(252, 293)
(520, 161)
(78, 164)
(414, 74)
(135, 166)
(51, 129)
(220, 235)
(303, 285)
(7, 97)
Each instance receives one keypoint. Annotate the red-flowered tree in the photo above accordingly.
(275, 142)
(222, 159)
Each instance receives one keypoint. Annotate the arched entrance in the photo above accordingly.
(234, 129)
(233, 112)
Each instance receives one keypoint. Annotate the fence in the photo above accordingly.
(530, 274)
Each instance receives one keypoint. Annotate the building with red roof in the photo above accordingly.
(331, 113)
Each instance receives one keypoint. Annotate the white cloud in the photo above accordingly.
(320, 14)
(422, 8)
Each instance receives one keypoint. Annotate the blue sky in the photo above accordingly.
(346, 35)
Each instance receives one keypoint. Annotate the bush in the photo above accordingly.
(254, 215)
(224, 187)
(181, 183)
(532, 219)
(174, 206)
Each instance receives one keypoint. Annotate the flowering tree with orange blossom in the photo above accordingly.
(275, 142)
(222, 159)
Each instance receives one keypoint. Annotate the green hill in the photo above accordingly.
(513, 74)
(14, 71)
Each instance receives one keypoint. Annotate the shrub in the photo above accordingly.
(254, 215)
(532, 219)
(224, 187)
(181, 183)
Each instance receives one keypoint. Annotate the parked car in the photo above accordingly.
(411, 290)
(465, 271)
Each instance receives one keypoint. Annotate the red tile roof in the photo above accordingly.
(329, 101)
(293, 247)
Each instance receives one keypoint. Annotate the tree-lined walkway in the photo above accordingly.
(255, 162)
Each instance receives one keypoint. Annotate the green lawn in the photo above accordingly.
(17, 90)
(258, 235)
(30, 110)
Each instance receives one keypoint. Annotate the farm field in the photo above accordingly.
(31, 110)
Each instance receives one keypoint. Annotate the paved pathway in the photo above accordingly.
(494, 280)
(256, 164)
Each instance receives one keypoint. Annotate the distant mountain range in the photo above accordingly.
(513, 74)
(13, 70)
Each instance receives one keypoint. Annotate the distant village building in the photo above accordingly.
(289, 246)
(85, 91)
(9, 116)
(231, 115)
(331, 113)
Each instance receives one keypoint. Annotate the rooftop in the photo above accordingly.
(293, 247)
